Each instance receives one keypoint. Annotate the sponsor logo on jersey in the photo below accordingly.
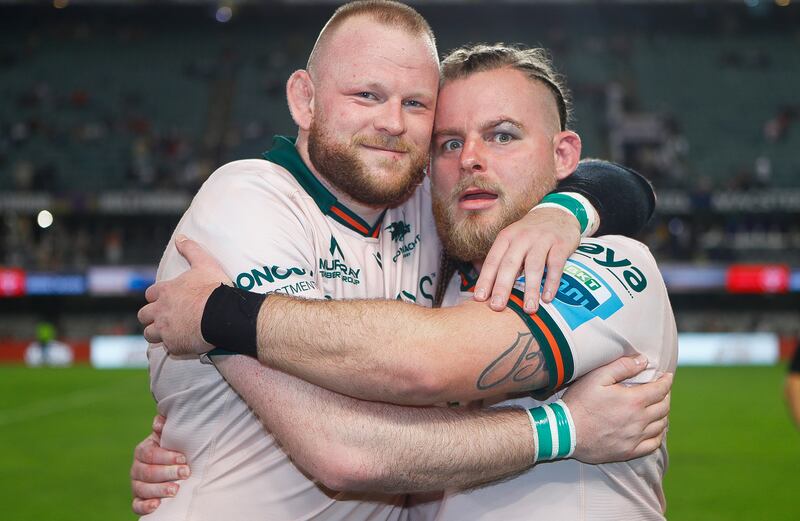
(297, 288)
(406, 249)
(583, 295)
(335, 248)
(398, 229)
(256, 277)
(629, 276)
(338, 268)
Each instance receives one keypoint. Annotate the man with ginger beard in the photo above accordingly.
(304, 213)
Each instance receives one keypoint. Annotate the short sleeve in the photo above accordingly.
(245, 215)
(611, 302)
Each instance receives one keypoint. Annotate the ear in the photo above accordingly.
(300, 95)
(567, 152)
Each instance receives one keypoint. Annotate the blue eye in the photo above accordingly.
(503, 138)
(414, 103)
(367, 95)
(451, 144)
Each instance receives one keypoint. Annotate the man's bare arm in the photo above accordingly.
(355, 445)
(373, 349)
(398, 352)
(348, 444)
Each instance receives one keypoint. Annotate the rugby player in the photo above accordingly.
(611, 285)
(281, 223)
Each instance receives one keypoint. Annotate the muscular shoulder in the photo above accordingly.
(253, 195)
(613, 262)
(611, 301)
(248, 176)
(248, 216)
(625, 260)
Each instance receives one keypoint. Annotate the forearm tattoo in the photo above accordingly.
(520, 363)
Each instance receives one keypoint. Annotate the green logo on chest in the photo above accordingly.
(398, 229)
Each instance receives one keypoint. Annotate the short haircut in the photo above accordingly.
(535, 63)
(386, 12)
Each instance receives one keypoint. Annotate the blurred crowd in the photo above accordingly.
(150, 99)
(99, 131)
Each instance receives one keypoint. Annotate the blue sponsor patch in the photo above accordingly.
(583, 295)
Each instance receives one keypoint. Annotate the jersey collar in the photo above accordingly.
(468, 275)
(285, 154)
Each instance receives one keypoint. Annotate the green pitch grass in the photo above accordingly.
(734, 452)
(66, 438)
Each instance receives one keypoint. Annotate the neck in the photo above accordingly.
(367, 212)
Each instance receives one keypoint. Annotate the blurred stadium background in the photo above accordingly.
(114, 112)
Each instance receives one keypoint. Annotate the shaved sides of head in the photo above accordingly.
(535, 63)
(386, 12)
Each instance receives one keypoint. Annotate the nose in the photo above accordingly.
(391, 118)
(472, 157)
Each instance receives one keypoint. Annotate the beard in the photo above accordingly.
(341, 165)
(471, 238)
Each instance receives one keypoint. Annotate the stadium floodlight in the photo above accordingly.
(44, 219)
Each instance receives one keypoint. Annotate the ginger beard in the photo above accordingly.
(341, 165)
(470, 238)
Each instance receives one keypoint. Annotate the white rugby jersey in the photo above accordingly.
(612, 302)
(274, 227)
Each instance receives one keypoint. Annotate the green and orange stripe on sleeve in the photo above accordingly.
(552, 342)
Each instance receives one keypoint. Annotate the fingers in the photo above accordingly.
(659, 410)
(198, 257)
(556, 260)
(143, 507)
(152, 334)
(146, 315)
(649, 445)
(193, 252)
(490, 266)
(149, 452)
(154, 471)
(186, 247)
(655, 391)
(151, 293)
(655, 428)
(157, 474)
(144, 491)
(620, 369)
(534, 269)
(158, 424)
(507, 273)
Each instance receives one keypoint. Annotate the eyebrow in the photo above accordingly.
(484, 127)
(382, 88)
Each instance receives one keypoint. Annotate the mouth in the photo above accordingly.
(476, 199)
(477, 194)
(385, 149)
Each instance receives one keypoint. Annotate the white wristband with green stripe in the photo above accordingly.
(575, 204)
(553, 431)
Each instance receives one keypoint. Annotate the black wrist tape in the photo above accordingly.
(230, 320)
(624, 199)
